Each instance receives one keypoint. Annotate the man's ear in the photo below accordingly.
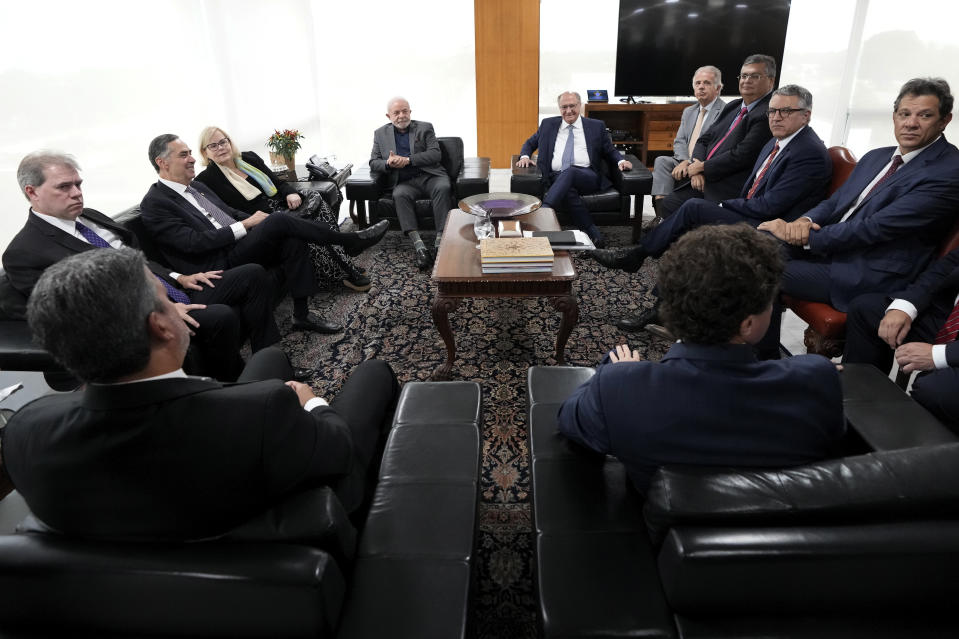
(159, 326)
(30, 191)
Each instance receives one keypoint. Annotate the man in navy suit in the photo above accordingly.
(710, 401)
(789, 177)
(880, 229)
(918, 326)
(724, 154)
(571, 149)
(196, 230)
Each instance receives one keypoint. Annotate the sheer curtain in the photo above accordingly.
(100, 79)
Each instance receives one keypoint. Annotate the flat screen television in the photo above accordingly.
(661, 43)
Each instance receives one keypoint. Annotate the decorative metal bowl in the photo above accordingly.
(499, 205)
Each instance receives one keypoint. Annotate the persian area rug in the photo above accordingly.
(496, 342)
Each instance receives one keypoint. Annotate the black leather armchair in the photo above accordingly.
(861, 546)
(468, 176)
(608, 207)
(296, 571)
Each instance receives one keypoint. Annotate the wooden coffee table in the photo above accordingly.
(458, 274)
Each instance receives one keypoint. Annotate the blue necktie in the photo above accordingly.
(172, 292)
(568, 150)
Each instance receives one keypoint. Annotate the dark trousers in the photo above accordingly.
(435, 187)
(565, 189)
(805, 277)
(215, 345)
(692, 214)
(366, 402)
(248, 290)
(671, 203)
(282, 240)
(937, 390)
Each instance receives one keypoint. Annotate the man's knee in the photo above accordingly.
(936, 391)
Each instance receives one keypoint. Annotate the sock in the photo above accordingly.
(301, 307)
(417, 240)
(436, 240)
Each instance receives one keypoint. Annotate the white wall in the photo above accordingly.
(100, 78)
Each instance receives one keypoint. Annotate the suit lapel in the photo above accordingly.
(64, 239)
(181, 203)
(904, 172)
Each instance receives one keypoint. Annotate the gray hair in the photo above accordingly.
(796, 91)
(559, 97)
(90, 312)
(30, 171)
(927, 86)
(717, 74)
(759, 58)
(395, 98)
(160, 148)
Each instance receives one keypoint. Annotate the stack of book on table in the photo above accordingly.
(516, 255)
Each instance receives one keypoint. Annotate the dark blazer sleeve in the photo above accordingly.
(532, 142)
(424, 147)
(795, 182)
(301, 447)
(169, 217)
(943, 274)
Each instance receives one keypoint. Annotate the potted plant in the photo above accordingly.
(283, 146)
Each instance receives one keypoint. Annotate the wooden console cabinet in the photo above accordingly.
(647, 127)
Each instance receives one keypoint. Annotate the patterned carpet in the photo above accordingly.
(497, 341)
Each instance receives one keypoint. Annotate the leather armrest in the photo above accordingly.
(361, 186)
(636, 181)
(474, 178)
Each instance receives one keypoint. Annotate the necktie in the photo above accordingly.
(762, 172)
(215, 212)
(950, 329)
(172, 292)
(896, 163)
(732, 127)
(568, 150)
(697, 130)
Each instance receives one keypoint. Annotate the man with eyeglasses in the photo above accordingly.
(406, 158)
(571, 150)
(880, 229)
(790, 176)
(220, 306)
(696, 118)
(724, 154)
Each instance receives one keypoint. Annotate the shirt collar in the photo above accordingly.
(912, 154)
(64, 225)
(171, 375)
(176, 186)
(788, 138)
(577, 124)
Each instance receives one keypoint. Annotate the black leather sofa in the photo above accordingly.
(468, 176)
(608, 207)
(862, 546)
(297, 571)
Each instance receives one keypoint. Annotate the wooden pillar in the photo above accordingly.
(507, 76)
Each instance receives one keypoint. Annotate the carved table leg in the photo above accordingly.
(568, 306)
(441, 309)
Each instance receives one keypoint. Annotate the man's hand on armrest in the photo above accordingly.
(524, 162)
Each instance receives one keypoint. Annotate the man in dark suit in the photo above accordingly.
(571, 152)
(918, 326)
(220, 306)
(406, 158)
(789, 177)
(880, 229)
(724, 154)
(196, 230)
(710, 401)
(145, 451)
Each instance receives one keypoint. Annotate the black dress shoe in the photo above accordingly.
(302, 374)
(357, 280)
(629, 260)
(315, 323)
(366, 238)
(423, 258)
(639, 321)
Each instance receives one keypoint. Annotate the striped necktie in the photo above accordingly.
(732, 127)
(950, 329)
(762, 172)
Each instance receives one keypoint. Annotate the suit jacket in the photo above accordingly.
(939, 282)
(196, 457)
(187, 239)
(688, 122)
(795, 182)
(599, 146)
(39, 245)
(214, 178)
(894, 233)
(708, 405)
(425, 152)
(728, 169)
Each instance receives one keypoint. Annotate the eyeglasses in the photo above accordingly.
(785, 113)
(213, 146)
(750, 76)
